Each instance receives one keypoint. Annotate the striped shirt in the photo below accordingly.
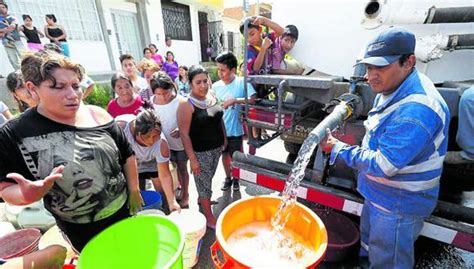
(401, 156)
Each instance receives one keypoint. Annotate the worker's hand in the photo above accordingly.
(175, 133)
(259, 20)
(267, 42)
(135, 202)
(328, 143)
(195, 167)
(35, 190)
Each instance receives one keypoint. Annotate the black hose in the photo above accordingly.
(457, 42)
(450, 15)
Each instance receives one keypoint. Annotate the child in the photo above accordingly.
(181, 81)
(231, 92)
(281, 62)
(258, 45)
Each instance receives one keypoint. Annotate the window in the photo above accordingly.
(176, 20)
(79, 17)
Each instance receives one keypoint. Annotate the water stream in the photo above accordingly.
(293, 181)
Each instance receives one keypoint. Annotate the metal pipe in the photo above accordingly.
(245, 63)
(341, 112)
(281, 86)
(377, 13)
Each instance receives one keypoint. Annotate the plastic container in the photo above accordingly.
(54, 237)
(19, 243)
(152, 199)
(137, 242)
(33, 215)
(36, 217)
(193, 224)
(302, 221)
(343, 235)
(151, 212)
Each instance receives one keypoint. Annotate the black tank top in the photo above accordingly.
(56, 32)
(31, 35)
(206, 128)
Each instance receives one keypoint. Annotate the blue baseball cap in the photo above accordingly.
(389, 46)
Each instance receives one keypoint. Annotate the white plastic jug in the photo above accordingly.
(193, 224)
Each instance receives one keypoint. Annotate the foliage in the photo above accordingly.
(100, 96)
(213, 73)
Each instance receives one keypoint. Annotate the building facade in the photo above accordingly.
(99, 31)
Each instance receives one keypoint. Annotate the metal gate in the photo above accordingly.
(127, 33)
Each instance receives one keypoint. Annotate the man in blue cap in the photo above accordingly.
(401, 156)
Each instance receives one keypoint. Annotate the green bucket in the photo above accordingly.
(138, 242)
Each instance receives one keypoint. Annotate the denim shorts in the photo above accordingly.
(178, 156)
(234, 143)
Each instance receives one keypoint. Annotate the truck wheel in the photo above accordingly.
(292, 148)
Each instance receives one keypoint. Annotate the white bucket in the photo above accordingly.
(151, 212)
(193, 224)
(33, 215)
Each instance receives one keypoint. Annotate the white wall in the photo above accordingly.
(331, 37)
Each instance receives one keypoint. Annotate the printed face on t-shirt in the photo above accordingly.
(82, 170)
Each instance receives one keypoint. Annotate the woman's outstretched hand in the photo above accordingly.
(35, 190)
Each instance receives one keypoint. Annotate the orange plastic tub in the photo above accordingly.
(303, 222)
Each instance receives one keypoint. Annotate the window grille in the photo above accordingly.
(177, 21)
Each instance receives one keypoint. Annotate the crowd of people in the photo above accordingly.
(89, 164)
(11, 31)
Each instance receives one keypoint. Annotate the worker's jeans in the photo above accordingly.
(388, 238)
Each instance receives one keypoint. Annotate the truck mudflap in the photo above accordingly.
(450, 232)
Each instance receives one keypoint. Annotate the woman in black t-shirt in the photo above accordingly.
(32, 34)
(56, 34)
(203, 135)
(72, 155)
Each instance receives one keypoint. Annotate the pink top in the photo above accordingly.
(157, 58)
(115, 110)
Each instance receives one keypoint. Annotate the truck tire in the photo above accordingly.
(292, 148)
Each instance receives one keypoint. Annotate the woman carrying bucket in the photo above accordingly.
(203, 134)
(71, 155)
(152, 152)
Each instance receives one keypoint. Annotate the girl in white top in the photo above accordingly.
(152, 151)
(165, 101)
